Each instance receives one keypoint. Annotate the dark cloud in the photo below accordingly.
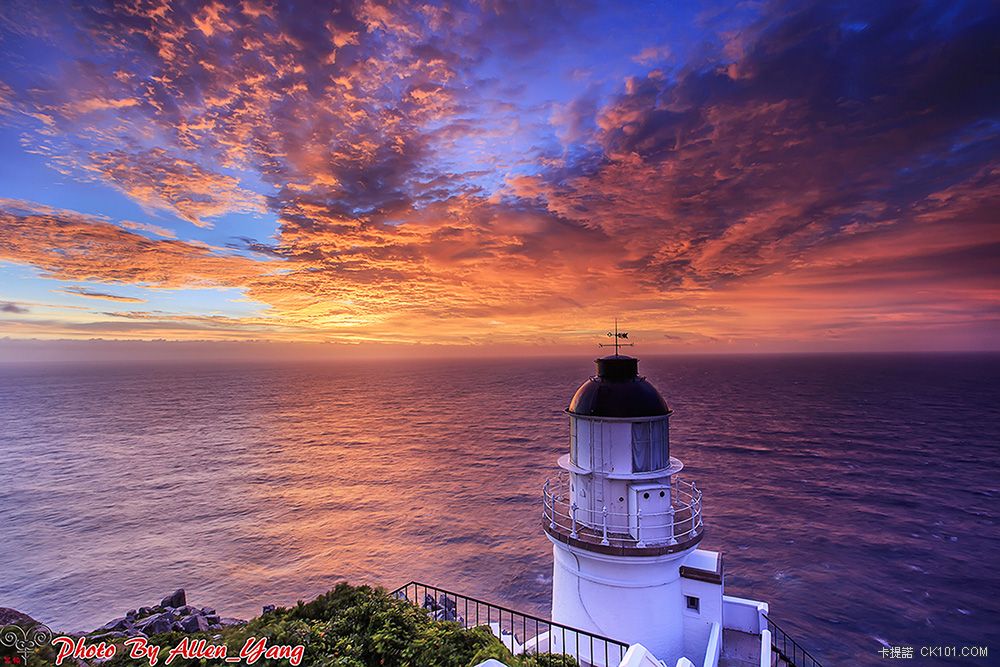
(10, 307)
(828, 119)
(77, 290)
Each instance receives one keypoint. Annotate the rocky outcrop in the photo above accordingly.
(443, 609)
(173, 614)
(10, 616)
(176, 600)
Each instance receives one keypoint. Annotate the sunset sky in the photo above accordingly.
(721, 176)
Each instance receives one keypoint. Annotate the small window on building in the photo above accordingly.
(693, 603)
(581, 442)
(574, 455)
(650, 446)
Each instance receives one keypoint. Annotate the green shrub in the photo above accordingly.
(356, 626)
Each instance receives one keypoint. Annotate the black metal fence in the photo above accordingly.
(788, 649)
(519, 632)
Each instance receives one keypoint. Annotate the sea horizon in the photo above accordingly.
(470, 353)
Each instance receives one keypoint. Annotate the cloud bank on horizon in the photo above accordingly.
(779, 175)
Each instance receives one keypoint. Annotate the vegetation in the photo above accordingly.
(350, 626)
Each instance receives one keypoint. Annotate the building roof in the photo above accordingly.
(618, 391)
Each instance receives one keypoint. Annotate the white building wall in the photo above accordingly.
(637, 600)
(698, 624)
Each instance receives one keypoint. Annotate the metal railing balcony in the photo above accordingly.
(625, 533)
(521, 633)
(789, 651)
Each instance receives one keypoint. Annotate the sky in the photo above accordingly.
(739, 176)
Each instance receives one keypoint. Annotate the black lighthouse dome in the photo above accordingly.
(618, 391)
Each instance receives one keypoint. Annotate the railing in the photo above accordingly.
(519, 632)
(678, 526)
(789, 650)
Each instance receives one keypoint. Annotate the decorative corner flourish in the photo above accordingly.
(25, 640)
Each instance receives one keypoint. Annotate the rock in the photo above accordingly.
(268, 608)
(213, 619)
(10, 616)
(186, 610)
(448, 604)
(208, 611)
(194, 624)
(157, 623)
(445, 615)
(229, 622)
(145, 611)
(177, 599)
(131, 613)
(117, 624)
(430, 602)
(143, 622)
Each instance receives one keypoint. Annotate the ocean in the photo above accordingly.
(858, 495)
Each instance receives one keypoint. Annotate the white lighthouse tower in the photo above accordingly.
(625, 528)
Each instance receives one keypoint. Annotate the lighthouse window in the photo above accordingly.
(650, 446)
(573, 446)
(693, 602)
(580, 438)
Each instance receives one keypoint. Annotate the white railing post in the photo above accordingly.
(572, 533)
(552, 506)
(700, 523)
(604, 538)
(638, 528)
(765, 648)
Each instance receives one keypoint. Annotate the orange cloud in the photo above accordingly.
(159, 181)
(749, 195)
(72, 246)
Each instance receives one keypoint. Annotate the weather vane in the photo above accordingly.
(619, 337)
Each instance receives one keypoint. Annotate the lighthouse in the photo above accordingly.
(625, 527)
